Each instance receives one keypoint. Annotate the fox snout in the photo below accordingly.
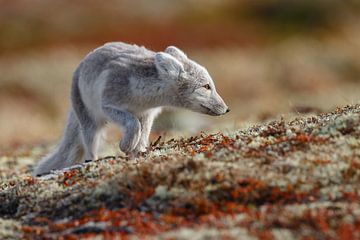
(216, 106)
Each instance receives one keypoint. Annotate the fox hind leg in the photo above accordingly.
(88, 131)
(90, 140)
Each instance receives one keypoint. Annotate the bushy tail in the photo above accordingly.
(70, 149)
(68, 152)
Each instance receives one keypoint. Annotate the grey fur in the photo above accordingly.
(128, 85)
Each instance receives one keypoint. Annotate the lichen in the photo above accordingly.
(280, 179)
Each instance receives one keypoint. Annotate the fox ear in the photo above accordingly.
(176, 53)
(167, 65)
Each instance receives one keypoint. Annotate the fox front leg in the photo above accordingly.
(146, 121)
(130, 124)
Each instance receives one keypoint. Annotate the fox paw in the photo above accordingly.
(140, 149)
(127, 146)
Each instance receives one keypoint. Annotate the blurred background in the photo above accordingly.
(267, 57)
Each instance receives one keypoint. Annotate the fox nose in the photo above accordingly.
(227, 110)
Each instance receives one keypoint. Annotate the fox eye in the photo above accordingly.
(207, 86)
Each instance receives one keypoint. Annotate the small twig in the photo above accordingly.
(156, 142)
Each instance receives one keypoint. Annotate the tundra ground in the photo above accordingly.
(297, 179)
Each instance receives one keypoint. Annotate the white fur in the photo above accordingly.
(128, 85)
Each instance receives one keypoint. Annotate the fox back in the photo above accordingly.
(128, 85)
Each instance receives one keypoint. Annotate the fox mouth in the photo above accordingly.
(209, 111)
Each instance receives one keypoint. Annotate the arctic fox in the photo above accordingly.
(128, 85)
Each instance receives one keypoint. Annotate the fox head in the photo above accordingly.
(192, 82)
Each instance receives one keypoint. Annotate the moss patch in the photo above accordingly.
(297, 179)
